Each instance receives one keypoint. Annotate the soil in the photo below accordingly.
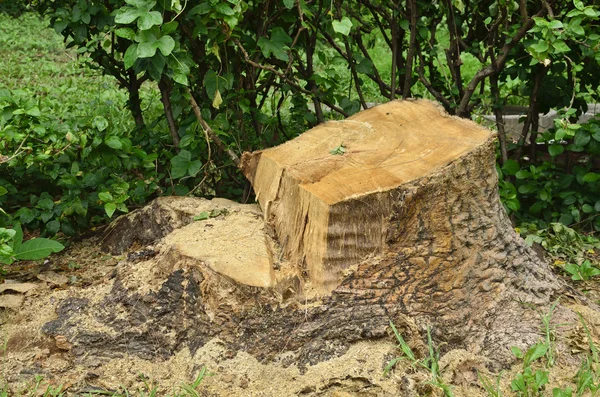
(89, 321)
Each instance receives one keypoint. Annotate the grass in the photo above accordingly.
(35, 63)
(532, 380)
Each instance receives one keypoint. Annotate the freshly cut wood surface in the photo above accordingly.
(330, 210)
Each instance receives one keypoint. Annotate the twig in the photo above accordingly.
(284, 77)
(210, 133)
(6, 160)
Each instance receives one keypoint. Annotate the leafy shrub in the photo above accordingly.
(556, 190)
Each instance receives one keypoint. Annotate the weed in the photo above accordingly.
(430, 363)
(492, 389)
(549, 334)
(584, 272)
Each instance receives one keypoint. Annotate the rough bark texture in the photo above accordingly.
(447, 258)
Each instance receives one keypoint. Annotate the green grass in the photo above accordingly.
(35, 62)
(533, 380)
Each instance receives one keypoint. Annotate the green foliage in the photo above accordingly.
(254, 68)
(12, 247)
(561, 242)
(584, 272)
(554, 191)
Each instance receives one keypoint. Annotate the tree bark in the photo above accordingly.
(165, 92)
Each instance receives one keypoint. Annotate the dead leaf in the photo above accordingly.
(11, 301)
(62, 343)
(17, 287)
(53, 278)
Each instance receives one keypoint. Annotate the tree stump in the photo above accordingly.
(390, 215)
(396, 210)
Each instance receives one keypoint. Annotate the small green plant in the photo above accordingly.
(429, 363)
(582, 272)
(492, 389)
(530, 383)
(204, 215)
(338, 151)
(549, 334)
(12, 247)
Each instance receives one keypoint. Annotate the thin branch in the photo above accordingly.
(284, 77)
(4, 159)
(165, 93)
(210, 133)
(410, 55)
(495, 65)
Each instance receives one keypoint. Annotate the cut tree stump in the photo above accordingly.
(390, 215)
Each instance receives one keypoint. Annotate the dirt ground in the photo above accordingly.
(82, 272)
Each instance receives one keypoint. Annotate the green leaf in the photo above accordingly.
(126, 15)
(587, 208)
(3, 191)
(560, 46)
(535, 352)
(194, 167)
(566, 219)
(126, 33)
(555, 24)
(560, 134)
(146, 49)
(33, 112)
(365, 66)
(276, 45)
(202, 216)
(169, 27)
(511, 167)
(165, 44)
(114, 142)
(343, 26)
(591, 177)
(289, 4)
(555, 149)
(110, 209)
(213, 82)
(147, 20)
(582, 138)
(540, 46)
(180, 164)
(18, 237)
(200, 9)
(100, 123)
(224, 9)
(52, 227)
(46, 203)
(37, 248)
(130, 56)
(105, 196)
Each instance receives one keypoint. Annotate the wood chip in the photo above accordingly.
(11, 301)
(62, 343)
(18, 287)
(53, 278)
